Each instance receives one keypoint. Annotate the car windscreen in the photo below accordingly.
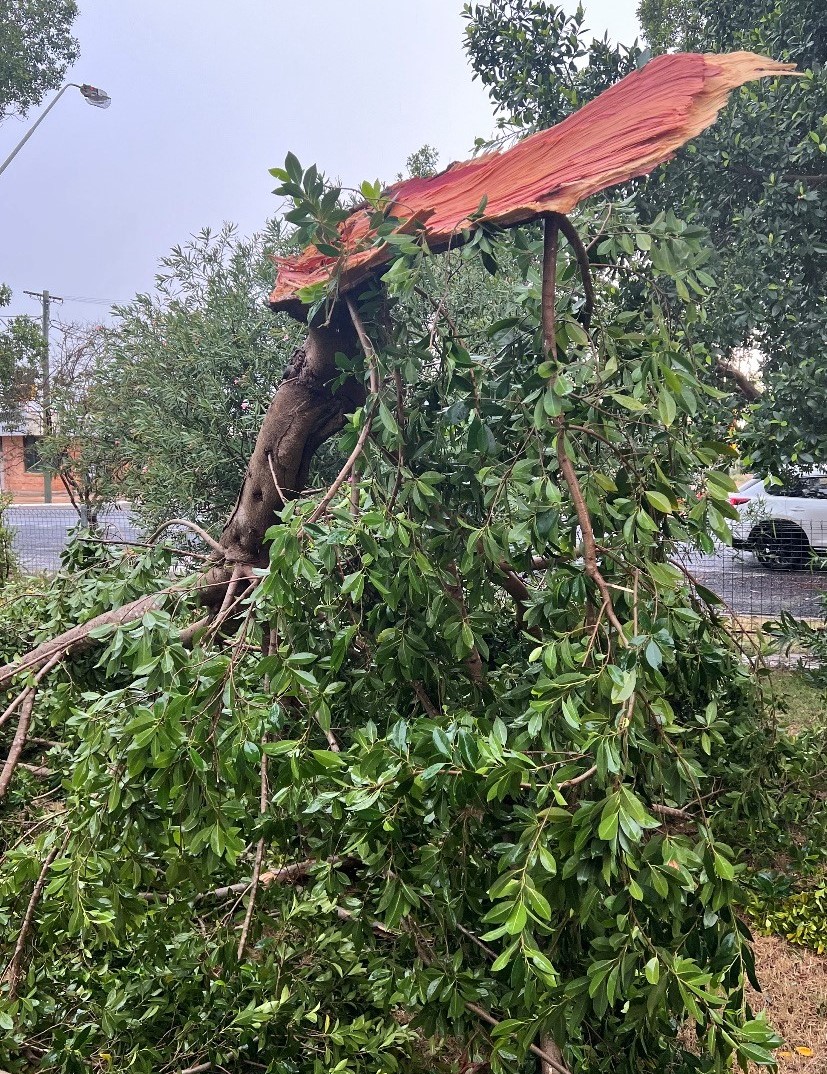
(802, 486)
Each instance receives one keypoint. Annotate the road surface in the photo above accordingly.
(41, 532)
(747, 588)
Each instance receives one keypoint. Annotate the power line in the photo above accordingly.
(90, 301)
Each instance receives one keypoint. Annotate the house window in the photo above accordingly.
(31, 455)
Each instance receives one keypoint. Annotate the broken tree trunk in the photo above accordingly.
(305, 412)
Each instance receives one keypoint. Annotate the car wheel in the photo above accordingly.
(781, 546)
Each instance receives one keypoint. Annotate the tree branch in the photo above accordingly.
(185, 523)
(23, 724)
(12, 973)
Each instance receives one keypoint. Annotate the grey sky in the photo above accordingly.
(206, 96)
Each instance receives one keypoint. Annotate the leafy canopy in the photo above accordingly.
(756, 180)
(426, 718)
(21, 356)
(37, 49)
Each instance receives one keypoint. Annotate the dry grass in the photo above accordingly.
(794, 982)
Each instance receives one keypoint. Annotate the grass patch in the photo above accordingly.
(803, 706)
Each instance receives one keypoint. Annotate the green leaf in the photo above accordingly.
(442, 743)
(629, 402)
(659, 501)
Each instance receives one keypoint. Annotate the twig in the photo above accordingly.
(549, 285)
(552, 223)
(670, 811)
(39, 771)
(484, 1016)
(516, 588)
(281, 495)
(9, 711)
(427, 704)
(13, 969)
(23, 724)
(580, 252)
(194, 527)
(575, 781)
(248, 917)
(146, 544)
(367, 346)
(475, 939)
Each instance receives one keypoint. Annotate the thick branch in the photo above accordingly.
(744, 385)
(12, 973)
(23, 724)
(77, 638)
(305, 412)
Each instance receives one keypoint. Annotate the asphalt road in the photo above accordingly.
(41, 532)
(747, 588)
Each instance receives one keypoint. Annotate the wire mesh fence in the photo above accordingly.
(40, 532)
(756, 583)
(756, 590)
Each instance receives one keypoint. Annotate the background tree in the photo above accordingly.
(756, 182)
(21, 356)
(37, 47)
(181, 380)
(83, 447)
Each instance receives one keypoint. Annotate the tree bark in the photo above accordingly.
(305, 412)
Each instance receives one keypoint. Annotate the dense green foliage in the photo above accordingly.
(474, 762)
(757, 180)
(36, 47)
(416, 733)
(799, 916)
(21, 350)
(169, 404)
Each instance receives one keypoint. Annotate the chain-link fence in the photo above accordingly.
(41, 532)
(778, 570)
(752, 589)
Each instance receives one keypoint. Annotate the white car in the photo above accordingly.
(783, 525)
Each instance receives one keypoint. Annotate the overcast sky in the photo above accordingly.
(206, 96)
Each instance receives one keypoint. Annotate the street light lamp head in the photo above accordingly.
(93, 95)
(98, 97)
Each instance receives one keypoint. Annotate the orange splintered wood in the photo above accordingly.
(625, 132)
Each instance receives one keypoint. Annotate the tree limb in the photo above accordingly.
(23, 724)
(744, 385)
(12, 973)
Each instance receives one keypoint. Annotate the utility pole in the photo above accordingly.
(46, 301)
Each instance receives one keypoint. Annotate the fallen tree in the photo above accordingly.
(455, 699)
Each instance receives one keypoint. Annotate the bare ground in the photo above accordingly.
(794, 982)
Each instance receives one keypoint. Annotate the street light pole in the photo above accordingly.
(93, 95)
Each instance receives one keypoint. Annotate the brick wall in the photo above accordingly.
(24, 486)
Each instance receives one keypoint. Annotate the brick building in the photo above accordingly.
(20, 473)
